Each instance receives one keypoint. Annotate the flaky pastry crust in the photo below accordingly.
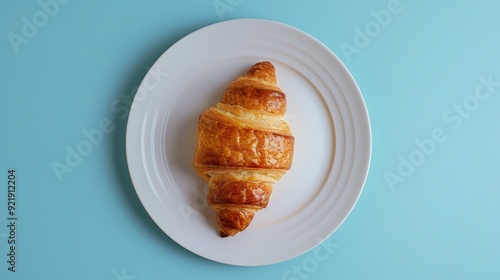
(244, 146)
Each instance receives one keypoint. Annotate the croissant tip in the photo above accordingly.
(263, 70)
(265, 65)
(227, 232)
(265, 62)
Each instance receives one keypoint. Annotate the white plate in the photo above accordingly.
(327, 116)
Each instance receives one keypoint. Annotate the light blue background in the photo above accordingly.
(441, 222)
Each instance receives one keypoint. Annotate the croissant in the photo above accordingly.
(244, 146)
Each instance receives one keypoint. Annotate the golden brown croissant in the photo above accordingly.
(244, 146)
